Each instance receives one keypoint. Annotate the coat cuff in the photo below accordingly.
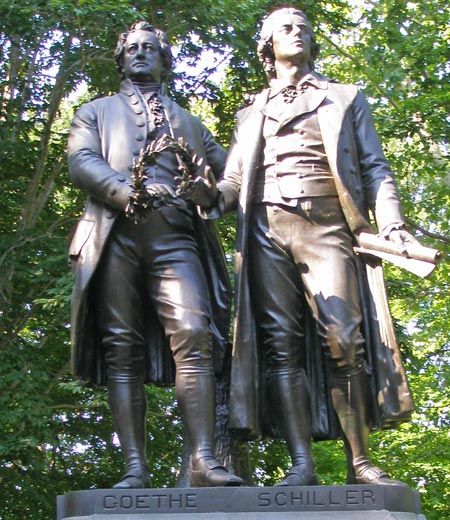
(214, 212)
(118, 192)
(385, 232)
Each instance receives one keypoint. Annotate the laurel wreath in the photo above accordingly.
(140, 201)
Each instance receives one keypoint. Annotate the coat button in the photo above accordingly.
(136, 151)
(139, 137)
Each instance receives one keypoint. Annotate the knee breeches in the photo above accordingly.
(152, 272)
(303, 257)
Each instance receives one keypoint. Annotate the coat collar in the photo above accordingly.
(305, 103)
(129, 88)
(171, 109)
(313, 79)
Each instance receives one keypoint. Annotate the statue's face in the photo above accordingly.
(141, 59)
(291, 38)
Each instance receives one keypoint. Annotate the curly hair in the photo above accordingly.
(165, 49)
(265, 46)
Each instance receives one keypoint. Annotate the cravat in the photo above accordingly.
(290, 92)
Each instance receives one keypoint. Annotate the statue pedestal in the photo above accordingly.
(243, 503)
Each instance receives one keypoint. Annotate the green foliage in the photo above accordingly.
(57, 436)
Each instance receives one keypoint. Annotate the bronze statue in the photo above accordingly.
(151, 295)
(314, 348)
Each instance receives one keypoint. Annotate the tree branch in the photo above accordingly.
(436, 236)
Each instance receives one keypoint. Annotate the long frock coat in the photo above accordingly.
(106, 134)
(365, 184)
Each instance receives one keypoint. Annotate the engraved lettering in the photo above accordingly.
(159, 499)
(318, 498)
(126, 502)
(264, 499)
(352, 498)
(142, 502)
(191, 500)
(173, 500)
(368, 496)
(109, 502)
(150, 501)
(330, 500)
(296, 498)
(279, 499)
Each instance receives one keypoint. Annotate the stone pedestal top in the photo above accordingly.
(249, 503)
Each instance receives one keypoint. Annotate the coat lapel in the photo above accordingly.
(331, 121)
(331, 117)
(251, 129)
(251, 141)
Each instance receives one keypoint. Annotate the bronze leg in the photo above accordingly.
(128, 405)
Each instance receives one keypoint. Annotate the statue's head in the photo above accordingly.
(274, 22)
(142, 34)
